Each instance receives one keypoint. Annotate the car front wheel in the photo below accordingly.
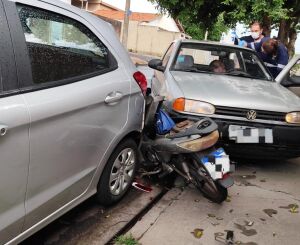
(118, 173)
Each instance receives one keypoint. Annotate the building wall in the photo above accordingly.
(91, 6)
(149, 40)
(102, 7)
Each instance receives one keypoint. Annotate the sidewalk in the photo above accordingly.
(92, 224)
(258, 211)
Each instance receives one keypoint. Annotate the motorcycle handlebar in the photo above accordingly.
(203, 127)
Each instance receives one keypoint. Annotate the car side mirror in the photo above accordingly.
(156, 64)
(294, 79)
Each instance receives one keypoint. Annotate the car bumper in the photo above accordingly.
(282, 135)
(286, 140)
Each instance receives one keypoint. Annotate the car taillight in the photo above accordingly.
(141, 81)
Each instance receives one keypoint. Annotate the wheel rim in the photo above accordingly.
(122, 171)
(207, 185)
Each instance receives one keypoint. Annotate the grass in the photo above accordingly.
(126, 240)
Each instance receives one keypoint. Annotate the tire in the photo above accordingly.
(118, 173)
(210, 189)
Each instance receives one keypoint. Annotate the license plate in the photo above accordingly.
(217, 164)
(244, 134)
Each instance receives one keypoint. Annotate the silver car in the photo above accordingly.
(71, 114)
(257, 115)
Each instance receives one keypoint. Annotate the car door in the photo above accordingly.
(290, 75)
(158, 82)
(14, 142)
(77, 99)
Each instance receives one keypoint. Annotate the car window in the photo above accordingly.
(60, 47)
(167, 55)
(294, 75)
(207, 58)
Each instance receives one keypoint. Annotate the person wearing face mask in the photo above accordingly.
(255, 40)
(275, 56)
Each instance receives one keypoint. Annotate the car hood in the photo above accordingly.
(239, 92)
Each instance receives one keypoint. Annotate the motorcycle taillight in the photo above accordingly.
(225, 176)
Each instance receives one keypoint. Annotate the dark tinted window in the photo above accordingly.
(60, 47)
(8, 76)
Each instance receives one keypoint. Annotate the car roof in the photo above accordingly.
(213, 43)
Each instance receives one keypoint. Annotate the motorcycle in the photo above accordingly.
(187, 149)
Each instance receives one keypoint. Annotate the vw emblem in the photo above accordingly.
(251, 115)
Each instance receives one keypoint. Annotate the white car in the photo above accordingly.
(258, 116)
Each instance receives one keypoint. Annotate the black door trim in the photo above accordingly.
(7, 65)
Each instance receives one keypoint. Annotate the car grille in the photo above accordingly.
(241, 112)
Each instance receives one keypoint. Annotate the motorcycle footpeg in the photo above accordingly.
(163, 174)
(167, 170)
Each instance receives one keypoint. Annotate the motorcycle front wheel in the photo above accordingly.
(210, 188)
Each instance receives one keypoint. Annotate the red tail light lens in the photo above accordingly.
(225, 176)
(141, 81)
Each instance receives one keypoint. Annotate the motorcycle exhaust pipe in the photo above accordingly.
(186, 170)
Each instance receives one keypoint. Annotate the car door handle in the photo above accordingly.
(113, 97)
(3, 130)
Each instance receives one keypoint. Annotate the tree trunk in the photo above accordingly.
(292, 41)
(288, 35)
(266, 24)
(284, 31)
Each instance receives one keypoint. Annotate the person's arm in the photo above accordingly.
(251, 45)
(282, 57)
(269, 62)
(245, 41)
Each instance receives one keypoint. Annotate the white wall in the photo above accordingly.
(149, 39)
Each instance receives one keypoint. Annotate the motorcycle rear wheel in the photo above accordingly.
(210, 188)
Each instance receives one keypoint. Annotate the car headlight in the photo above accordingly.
(194, 106)
(293, 117)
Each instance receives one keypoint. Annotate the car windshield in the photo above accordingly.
(222, 60)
